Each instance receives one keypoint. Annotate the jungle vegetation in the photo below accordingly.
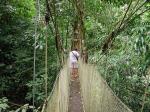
(116, 34)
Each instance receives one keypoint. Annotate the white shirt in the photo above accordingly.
(73, 55)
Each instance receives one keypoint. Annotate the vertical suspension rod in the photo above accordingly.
(46, 62)
(37, 17)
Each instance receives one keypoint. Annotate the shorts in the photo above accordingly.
(74, 64)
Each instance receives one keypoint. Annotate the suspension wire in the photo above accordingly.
(39, 10)
(37, 17)
(46, 61)
(146, 89)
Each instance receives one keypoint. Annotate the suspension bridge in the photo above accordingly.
(89, 92)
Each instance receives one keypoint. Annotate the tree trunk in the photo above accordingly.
(52, 13)
(78, 28)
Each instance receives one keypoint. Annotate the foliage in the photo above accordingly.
(125, 66)
(3, 104)
(16, 48)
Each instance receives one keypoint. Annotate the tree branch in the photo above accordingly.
(121, 27)
(125, 14)
(132, 14)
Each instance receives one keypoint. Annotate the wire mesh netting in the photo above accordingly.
(97, 96)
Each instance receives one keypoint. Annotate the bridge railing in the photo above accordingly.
(59, 98)
(97, 95)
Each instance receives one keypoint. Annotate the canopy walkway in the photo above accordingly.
(88, 93)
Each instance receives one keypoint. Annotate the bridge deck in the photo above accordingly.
(75, 101)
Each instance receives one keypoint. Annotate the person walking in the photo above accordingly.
(74, 56)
